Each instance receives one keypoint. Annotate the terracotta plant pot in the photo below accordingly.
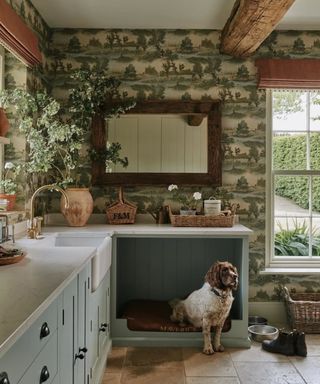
(11, 200)
(80, 206)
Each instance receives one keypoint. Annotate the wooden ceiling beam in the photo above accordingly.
(250, 23)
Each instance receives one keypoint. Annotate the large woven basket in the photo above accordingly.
(121, 212)
(303, 310)
(223, 219)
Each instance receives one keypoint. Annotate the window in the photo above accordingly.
(294, 179)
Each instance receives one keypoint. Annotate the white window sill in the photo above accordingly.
(290, 271)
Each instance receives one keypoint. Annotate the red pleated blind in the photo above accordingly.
(17, 37)
(288, 73)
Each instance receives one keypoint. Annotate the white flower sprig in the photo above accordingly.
(8, 183)
(187, 202)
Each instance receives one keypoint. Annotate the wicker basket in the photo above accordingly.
(303, 310)
(223, 219)
(121, 212)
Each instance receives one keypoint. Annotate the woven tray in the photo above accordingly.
(223, 219)
(303, 310)
(121, 212)
(12, 259)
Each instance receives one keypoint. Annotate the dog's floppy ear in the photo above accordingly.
(213, 276)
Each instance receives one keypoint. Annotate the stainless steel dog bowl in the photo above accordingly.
(262, 332)
(253, 320)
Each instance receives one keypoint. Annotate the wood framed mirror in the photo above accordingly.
(193, 114)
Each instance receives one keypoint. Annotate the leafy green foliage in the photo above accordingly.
(295, 241)
(109, 156)
(53, 143)
(97, 93)
(289, 152)
(284, 103)
(9, 184)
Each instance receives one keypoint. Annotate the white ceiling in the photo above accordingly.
(166, 14)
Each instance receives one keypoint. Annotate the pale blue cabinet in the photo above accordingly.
(73, 330)
(67, 333)
(34, 352)
(99, 341)
(82, 326)
(53, 350)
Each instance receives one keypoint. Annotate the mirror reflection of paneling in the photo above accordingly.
(160, 143)
(201, 143)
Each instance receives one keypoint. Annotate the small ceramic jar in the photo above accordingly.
(212, 207)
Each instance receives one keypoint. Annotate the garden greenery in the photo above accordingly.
(295, 241)
(289, 152)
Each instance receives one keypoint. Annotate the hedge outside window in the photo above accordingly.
(295, 176)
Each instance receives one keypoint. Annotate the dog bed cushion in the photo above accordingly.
(152, 315)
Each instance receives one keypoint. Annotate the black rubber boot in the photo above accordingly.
(300, 347)
(284, 344)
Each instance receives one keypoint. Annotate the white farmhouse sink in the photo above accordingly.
(100, 263)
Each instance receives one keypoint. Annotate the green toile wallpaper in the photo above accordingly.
(186, 64)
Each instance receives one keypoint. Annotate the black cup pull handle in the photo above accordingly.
(45, 331)
(44, 375)
(103, 327)
(4, 379)
(80, 356)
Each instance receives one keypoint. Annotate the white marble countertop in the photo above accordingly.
(154, 230)
(30, 286)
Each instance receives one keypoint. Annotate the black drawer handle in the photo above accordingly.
(103, 327)
(44, 375)
(45, 331)
(81, 354)
(4, 378)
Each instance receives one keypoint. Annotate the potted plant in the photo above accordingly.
(9, 185)
(53, 142)
(188, 204)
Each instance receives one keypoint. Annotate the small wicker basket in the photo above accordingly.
(121, 212)
(303, 310)
(223, 219)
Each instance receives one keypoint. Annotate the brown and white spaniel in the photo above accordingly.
(210, 305)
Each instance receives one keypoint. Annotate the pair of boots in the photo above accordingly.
(287, 343)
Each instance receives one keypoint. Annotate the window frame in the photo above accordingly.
(282, 263)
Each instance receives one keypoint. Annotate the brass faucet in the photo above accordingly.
(33, 230)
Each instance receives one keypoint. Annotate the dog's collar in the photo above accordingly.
(215, 291)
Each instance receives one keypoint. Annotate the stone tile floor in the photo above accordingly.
(234, 366)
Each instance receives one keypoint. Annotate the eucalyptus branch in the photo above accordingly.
(53, 144)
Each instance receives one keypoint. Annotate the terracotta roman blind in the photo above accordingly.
(17, 37)
(288, 73)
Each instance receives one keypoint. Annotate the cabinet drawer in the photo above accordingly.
(45, 367)
(17, 360)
